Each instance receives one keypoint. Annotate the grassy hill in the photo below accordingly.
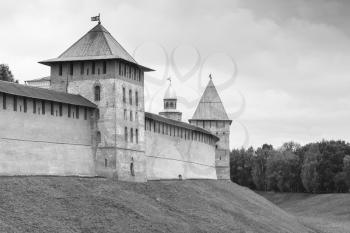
(70, 204)
(323, 212)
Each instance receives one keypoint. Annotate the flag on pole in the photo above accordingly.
(96, 18)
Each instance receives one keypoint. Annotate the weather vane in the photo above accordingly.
(210, 76)
(96, 18)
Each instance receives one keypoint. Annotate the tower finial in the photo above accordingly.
(169, 79)
(210, 76)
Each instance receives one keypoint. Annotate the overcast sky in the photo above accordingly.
(282, 67)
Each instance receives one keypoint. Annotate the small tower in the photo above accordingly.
(211, 115)
(170, 101)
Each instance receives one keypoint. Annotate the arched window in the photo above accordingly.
(97, 91)
(132, 170)
(126, 134)
(106, 162)
(98, 137)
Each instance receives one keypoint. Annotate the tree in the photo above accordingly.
(6, 74)
(310, 168)
(346, 170)
(259, 166)
(290, 146)
(241, 166)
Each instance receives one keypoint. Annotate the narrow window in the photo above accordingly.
(129, 72)
(85, 113)
(34, 106)
(43, 107)
(137, 98)
(93, 68)
(71, 68)
(98, 137)
(124, 69)
(14, 103)
(97, 114)
(24, 104)
(120, 68)
(126, 134)
(106, 162)
(137, 136)
(130, 97)
(69, 110)
(82, 68)
(124, 98)
(77, 111)
(4, 101)
(52, 108)
(125, 115)
(60, 109)
(104, 64)
(131, 135)
(60, 68)
(87, 71)
(97, 93)
(131, 116)
(132, 168)
(136, 116)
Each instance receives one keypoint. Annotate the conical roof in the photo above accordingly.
(96, 44)
(210, 106)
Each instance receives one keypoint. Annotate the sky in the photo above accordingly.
(281, 67)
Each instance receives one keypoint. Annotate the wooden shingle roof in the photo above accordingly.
(210, 106)
(44, 94)
(96, 44)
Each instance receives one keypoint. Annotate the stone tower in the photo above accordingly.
(98, 68)
(170, 104)
(211, 115)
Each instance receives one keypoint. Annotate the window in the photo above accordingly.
(43, 107)
(136, 98)
(124, 69)
(97, 93)
(77, 111)
(24, 104)
(87, 71)
(131, 135)
(132, 171)
(137, 136)
(4, 101)
(98, 137)
(69, 110)
(93, 68)
(126, 134)
(104, 68)
(130, 97)
(120, 68)
(85, 113)
(60, 68)
(71, 68)
(97, 114)
(52, 108)
(131, 116)
(82, 68)
(124, 98)
(34, 106)
(14, 103)
(136, 116)
(106, 162)
(60, 109)
(125, 115)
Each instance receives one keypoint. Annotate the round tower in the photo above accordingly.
(170, 104)
(211, 115)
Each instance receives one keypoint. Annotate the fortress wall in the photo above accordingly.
(37, 144)
(171, 156)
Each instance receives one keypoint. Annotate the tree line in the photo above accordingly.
(320, 167)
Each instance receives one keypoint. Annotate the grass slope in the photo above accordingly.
(70, 204)
(325, 212)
